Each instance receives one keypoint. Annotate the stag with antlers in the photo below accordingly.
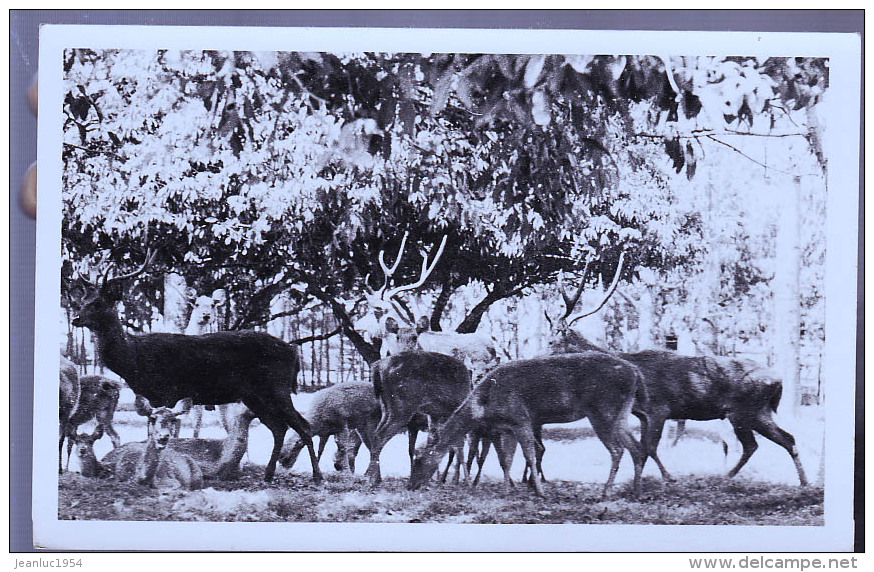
(682, 387)
(209, 369)
(392, 321)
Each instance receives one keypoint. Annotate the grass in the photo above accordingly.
(344, 498)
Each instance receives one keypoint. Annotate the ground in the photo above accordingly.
(764, 493)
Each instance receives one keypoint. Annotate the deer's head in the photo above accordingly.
(97, 301)
(85, 445)
(390, 319)
(563, 338)
(162, 421)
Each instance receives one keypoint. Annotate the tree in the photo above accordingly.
(269, 173)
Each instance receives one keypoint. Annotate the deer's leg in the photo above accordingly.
(681, 430)
(528, 442)
(505, 447)
(485, 443)
(616, 451)
(113, 434)
(650, 439)
(297, 422)
(323, 440)
(71, 438)
(412, 435)
(460, 464)
(197, 413)
(612, 430)
(448, 465)
(541, 449)
(278, 428)
(766, 426)
(473, 441)
(638, 457)
(747, 440)
(353, 445)
(63, 433)
(386, 429)
(290, 458)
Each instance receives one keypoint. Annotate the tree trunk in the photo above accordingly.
(313, 355)
(368, 351)
(786, 297)
(440, 306)
(175, 303)
(475, 316)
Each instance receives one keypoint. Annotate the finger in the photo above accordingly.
(33, 94)
(28, 192)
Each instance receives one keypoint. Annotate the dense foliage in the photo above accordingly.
(271, 173)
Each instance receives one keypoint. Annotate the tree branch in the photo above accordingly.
(318, 337)
(696, 133)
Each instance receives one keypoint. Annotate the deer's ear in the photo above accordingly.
(391, 325)
(182, 407)
(142, 406)
(98, 433)
(422, 325)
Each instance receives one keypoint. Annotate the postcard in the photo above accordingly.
(453, 290)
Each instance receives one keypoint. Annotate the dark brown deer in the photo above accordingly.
(411, 385)
(699, 388)
(210, 369)
(98, 399)
(517, 397)
(68, 400)
(706, 388)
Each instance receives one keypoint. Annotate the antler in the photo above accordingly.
(387, 271)
(606, 297)
(150, 255)
(423, 276)
(384, 296)
(570, 302)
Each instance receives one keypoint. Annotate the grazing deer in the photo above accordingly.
(98, 399)
(153, 463)
(516, 397)
(68, 400)
(698, 388)
(210, 369)
(411, 385)
(392, 322)
(348, 411)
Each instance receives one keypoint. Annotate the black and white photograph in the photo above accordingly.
(410, 278)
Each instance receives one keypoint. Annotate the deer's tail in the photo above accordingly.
(776, 391)
(641, 400)
(376, 379)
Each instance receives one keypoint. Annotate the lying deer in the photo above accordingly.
(152, 463)
(515, 398)
(98, 398)
(209, 369)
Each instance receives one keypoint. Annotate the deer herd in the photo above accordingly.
(454, 386)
